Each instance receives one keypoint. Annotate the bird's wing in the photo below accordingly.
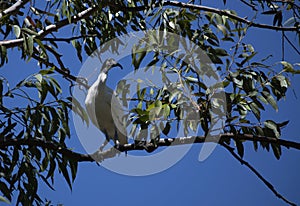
(118, 113)
(109, 114)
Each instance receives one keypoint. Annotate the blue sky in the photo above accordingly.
(219, 180)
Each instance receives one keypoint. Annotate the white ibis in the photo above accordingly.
(104, 111)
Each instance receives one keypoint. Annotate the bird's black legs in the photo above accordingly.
(105, 142)
(103, 145)
(116, 139)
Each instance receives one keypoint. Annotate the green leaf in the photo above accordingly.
(137, 57)
(276, 150)
(255, 110)
(250, 48)
(167, 128)
(141, 93)
(17, 31)
(63, 168)
(43, 91)
(8, 128)
(221, 52)
(3, 199)
(192, 79)
(266, 94)
(73, 167)
(78, 109)
(78, 48)
(283, 124)
(255, 145)
(166, 109)
(52, 168)
(29, 43)
(47, 183)
(3, 54)
(215, 59)
(45, 163)
(153, 62)
(259, 131)
(287, 67)
(240, 148)
(248, 58)
(54, 82)
(29, 31)
(1, 91)
(5, 191)
(155, 111)
(222, 28)
(41, 46)
(277, 18)
(270, 124)
(46, 71)
(39, 77)
(291, 21)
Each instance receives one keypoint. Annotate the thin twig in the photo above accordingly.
(282, 46)
(292, 45)
(66, 73)
(57, 57)
(68, 39)
(250, 5)
(288, 2)
(247, 164)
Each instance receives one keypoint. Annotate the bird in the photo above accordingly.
(105, 111)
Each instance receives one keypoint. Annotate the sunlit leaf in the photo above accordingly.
(272, 126)
(17, 31)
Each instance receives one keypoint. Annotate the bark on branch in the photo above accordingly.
(213, 10)
(51, 28)
(147, 146)
(14, 8)
(46, 145)
(55, 27)
(225, 13)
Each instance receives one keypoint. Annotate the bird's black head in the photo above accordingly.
(110, 63)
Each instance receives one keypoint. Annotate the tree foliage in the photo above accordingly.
(35, 113)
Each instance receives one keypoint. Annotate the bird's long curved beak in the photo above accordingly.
(118, 65)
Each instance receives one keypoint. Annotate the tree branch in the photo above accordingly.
(225, 13)
(213, 10)
(51, 28)
(47, 145)
(66, 73)
(89, 11)
(14, 8)
(149, 146)
(99, 156)
(67, 39)
(247, 164)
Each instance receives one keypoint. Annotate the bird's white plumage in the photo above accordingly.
(105, 111)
